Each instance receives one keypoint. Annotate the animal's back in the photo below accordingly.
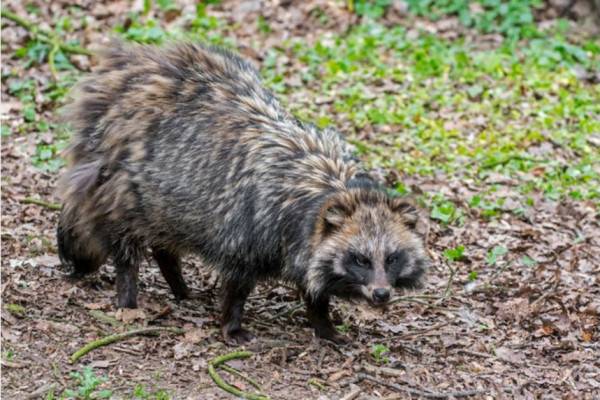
(183, 147)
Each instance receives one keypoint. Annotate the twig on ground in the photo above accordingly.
(322, 355)
(235, 372)
(496, 358)
(424, 331)
(383, 370)
(315, 382)
(58, 374)
(218, 361)
(51, 59)
(426, 393)
(286, 311)
(121, 336)
(40, 392)
(51, 206)
(541, 300)
(409, 299)
(427, 330)
(10, 364)
(354, 392)
(449, 284)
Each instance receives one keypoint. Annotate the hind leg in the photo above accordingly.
(170, 267)
(234, 297)
(127, 266)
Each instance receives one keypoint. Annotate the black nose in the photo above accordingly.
(381, 295)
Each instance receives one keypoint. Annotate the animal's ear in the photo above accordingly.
(406, 210)
(410, 216)
(335, 212)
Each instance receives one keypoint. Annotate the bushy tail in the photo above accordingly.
(80, 249)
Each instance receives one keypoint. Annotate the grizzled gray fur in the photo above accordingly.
(182, 150)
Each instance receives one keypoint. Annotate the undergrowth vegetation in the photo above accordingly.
(509, 123)
(437, 106)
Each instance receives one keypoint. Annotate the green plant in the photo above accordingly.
(455, 254)
(511, 18)
(488, 208)
(140, 393)
(445, 211)
(5, 130)
(379, 352)
(495, 254)
(142, 30)
(473, 276)
(47, 156)
(369, 8)
(528, 261)
(8, 354)
(16, 309)
(87, 386)
(343, 328)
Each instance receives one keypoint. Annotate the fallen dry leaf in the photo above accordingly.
(128, 315)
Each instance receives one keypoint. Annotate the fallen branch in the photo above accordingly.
(120, 336)
(51, 206)
(218, 361)
(427, 393)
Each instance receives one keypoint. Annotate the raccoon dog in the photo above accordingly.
(182, 150)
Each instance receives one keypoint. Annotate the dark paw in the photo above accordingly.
(184, 295)
(75, 276)
(237, 336)
(127, 303)
(332, 335)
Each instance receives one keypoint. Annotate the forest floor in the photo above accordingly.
(494, 127)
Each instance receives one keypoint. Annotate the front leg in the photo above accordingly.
(126, 281)
(234, 297)
(318, 316)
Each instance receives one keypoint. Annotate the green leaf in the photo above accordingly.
(496, 252)
(378, 351)
(104, 394)
(472, 276)
(166, 5)
(29, 113)
(5, 130)
(528, 262)
(147, 7)
(455, 254)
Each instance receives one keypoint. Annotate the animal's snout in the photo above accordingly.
(381, 295)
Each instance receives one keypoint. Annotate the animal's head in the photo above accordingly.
(365, 245)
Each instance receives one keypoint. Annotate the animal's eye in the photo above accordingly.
(392, 259)
(361, 260)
